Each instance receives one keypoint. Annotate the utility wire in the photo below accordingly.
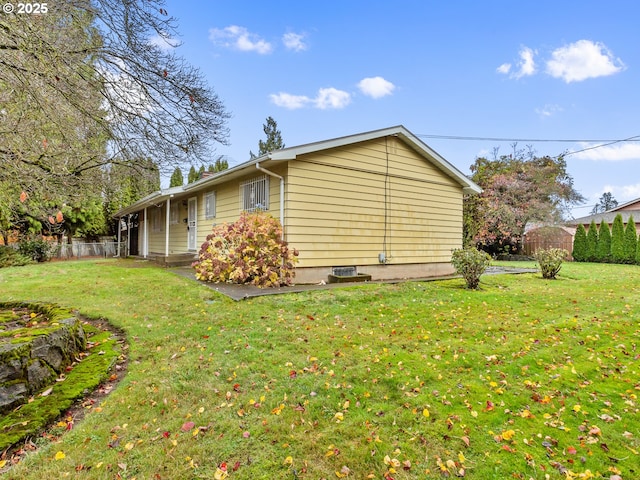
(635, 138)
(603, 143)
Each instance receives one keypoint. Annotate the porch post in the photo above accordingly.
(145, 246)
(166, 227)
(119, 234)
(128, 234)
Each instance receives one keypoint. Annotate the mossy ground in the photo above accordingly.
(104, 350)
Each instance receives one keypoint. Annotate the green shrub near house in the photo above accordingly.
(580, 244)
(471, 263)
(38, 250)
(550, 261)
(10, 257)
(603, 248)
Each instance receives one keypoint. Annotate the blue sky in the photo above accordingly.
(487, 73)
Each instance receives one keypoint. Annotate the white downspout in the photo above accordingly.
(166, 227)
(281, 193)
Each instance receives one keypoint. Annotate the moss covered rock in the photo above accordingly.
(37, 343)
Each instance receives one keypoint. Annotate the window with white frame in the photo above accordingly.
(254, 194)
(210, 205)
(174, 213)
(156, 219)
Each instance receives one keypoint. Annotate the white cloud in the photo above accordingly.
(582, 60)
(505, 68)
(327, 98)
(332, 98)
(548, 110)
(609, 153)
(239, 38)
(294, 41)
(291, 102)
(526, 64)
(628, 192)
(376, 87)
(164, 41)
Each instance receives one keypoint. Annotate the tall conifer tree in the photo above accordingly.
(592, 241)
(603, 249)
(617, 240)
(580, 244)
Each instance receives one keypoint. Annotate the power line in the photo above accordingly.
(635, 138)
(602, 143)
(630, 139)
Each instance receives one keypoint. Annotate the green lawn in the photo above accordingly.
(525, 378)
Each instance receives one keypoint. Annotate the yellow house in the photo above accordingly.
(381, 202)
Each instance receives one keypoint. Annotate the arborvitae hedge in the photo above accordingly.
(630, 241)
(580, 244)
(603, 249)
(617, 240)
(592, 241)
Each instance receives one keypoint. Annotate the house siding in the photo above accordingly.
(346, 201)
(228, 207)
(338, 212)
(177, 231)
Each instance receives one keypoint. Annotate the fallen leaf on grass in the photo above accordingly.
(187, 426)
(507, 434)
(344, 472)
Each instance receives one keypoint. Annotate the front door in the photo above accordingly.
(192, 224)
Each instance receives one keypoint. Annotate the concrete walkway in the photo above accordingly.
(242, 292)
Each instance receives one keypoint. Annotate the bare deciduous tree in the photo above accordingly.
(91, 83)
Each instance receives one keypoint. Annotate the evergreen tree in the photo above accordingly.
(220, 165)
(638, 253)
(177, 180)
(193, 175)
(603, 249)
(617, 240)
(128, 182)
(606, 202)
(592, 241)
(200, 171)
(580, 244)
(273, 141)
(630, 241)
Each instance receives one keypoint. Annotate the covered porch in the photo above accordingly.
(161, 227)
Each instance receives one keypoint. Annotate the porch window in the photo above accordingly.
(174, 213)
(254, 194)
(210, 205)
(156, 219)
